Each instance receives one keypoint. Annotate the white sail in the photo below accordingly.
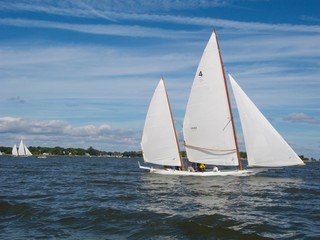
(265, 147)
(207, 127)
(159, 141)
(27, 151)
(14, 150)
(21, 151)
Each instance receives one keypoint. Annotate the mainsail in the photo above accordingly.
(159, 141)
(265, 147)
(208, 128)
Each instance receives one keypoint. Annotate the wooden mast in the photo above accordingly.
(174, 127)
(229, 104)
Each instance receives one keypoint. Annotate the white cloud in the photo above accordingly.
(60, 133)
(115, 30)
(301, 118)
(139, 10)
(88, 82)
(103, 9)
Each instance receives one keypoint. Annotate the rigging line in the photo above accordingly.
(210, 149)
(226, 125)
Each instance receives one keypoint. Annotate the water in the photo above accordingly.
(105, 198)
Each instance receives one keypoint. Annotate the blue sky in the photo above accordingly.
(82, 73)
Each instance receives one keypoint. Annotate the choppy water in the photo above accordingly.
(104, 198)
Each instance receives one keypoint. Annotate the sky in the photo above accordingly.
(81, 73)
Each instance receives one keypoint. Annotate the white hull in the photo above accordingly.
(238, 173)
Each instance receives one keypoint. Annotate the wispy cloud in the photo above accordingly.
(76, 70)
(96, 8)
(301, 118)
(138, 31)
(115, 30)
(139, 10)
(310, 19)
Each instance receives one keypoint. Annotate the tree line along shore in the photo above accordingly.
(60, 151)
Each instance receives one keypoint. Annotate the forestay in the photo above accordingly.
(159, 141)
(207, 126)
(265, 147)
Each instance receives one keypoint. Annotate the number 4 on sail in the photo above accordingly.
(209, 130)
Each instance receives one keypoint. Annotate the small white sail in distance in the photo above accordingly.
(14, 150)
(265, 146)
(27, 151)
(23, 150)
(159, 140)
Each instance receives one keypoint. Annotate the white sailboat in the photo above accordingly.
(209, 131)
(23, 151)
(14, 151)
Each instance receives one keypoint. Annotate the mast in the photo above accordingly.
(229, 104)
(173, 124)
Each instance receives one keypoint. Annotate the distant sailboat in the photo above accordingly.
(22, 151)
(208, 127)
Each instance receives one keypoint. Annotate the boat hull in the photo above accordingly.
(169, 171)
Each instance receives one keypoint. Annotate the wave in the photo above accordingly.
(15, 210)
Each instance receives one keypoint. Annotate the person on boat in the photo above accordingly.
(215, 169)
(191, 167)
(202, 167)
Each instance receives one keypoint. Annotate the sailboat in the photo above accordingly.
(22, 151)
(209, 130)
